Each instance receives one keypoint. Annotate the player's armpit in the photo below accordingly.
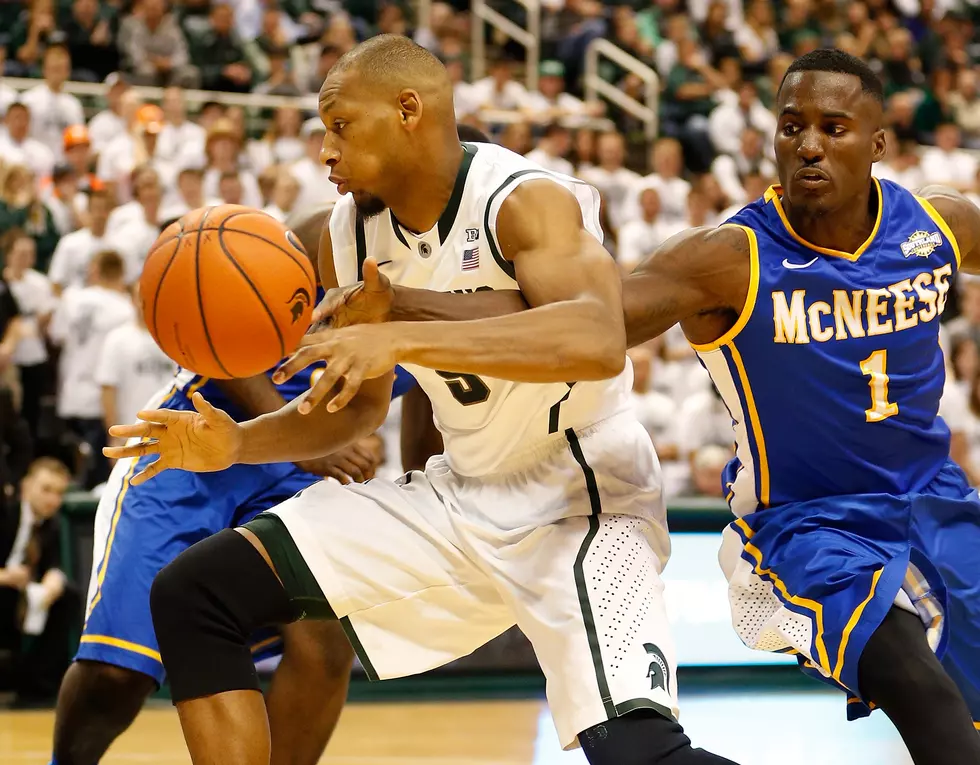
(699, 277)
(573, 330)
(963, 219)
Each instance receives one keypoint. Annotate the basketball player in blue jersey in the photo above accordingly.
(139, 529)
(816, 312)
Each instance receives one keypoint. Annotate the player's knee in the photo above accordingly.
(642, 737)
(321, 647)
(205, 604)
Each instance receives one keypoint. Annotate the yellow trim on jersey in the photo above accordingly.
(750, 297)
(938, 220)
(852, 623)
(195, 387)
(266, 643)
(112, 534)
(753, 416)
(125, 645)
(976, 725)
(810, 605)
(773, 195)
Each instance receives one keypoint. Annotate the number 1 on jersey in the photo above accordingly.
(881, 408)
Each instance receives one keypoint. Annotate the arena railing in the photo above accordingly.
(530, 37)
(647, 110)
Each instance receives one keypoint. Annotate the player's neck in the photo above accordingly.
(844, 229)
(424, 200)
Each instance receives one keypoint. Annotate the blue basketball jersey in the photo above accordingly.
(833, 372)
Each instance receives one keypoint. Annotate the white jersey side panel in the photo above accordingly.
(487, 424)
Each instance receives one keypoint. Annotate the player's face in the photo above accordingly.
(828, 135)
(362, 141)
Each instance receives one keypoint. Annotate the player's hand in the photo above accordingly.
(357, 462)
(353, 355)
(204, 441)
(17, 577)
(367, 302)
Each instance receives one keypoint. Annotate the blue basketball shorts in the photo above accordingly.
(140, 529)
(816, 578)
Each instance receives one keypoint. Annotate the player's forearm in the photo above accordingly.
(286, 435)
(256, 395)
(425, 305)
(644, 318)
(561, 342)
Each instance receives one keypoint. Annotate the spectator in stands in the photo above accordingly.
(15, 435)
(735, 112)
(111, 122)
(7, 94)
(964, 105)
(35, 597)
(717, 34)
(584, 149)
(29, 37)
(615, 182)
(181, 141)
(189, 194)
(17, 147)
(312, 80)
(284, 195)
(134, 148)
(517, 137)
(655, 410)
(281, 143)
(707, 464)
(278, 78)
(89, 36)
(36, 301)
(130, 369)
(223, 151)
(230, 188)
(755, 186)
(313, 176)
(464, 100)
(667, 160)
(219, 55)
(53, 110)
(703, 420)
(74, 253)
(900, 116)
(550, 103)
(499, 91)
(756, 36)
(689, 100)
(83, 319)
(748, 160)
(154, 48)
(21, 207)
(132, 237)
(552, 148)
(641, 236)
(946, 163)
(59, 193)
(901, 163)
(900, 67)
(967, 324)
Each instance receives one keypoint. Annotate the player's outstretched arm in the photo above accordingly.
(963, 219)
(698, 277)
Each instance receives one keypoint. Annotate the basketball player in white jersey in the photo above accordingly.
(545, 509)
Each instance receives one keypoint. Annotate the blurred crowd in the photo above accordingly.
(86, 183)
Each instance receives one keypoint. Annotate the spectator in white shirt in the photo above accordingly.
(223, 149)
(550, 103)
(614, 181)
(35, 298)
(134, 237)
(464, 100)
(703, 420)
(7, 94)
(729, 119)
(131, 369)
(655, 410)
(755, 186)
(110, 123)
(964, 104)
(53, 110)
(80, 325)
(552, 148)
(315, 186)
(230, 188)
(135, 148)
(281, 143)
(901, 164)
(946, 163)
(284, 195)
(189, 196)
(72, 256)
(18, 148)
(638, 238)
(181, 142)
(499, 91)
(730, 169)
(667, 159)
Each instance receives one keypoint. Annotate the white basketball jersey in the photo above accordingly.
(487, 424)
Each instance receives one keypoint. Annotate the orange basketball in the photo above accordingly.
(227, 291)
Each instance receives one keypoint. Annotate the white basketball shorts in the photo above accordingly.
(427, 569)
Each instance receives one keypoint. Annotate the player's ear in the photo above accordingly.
(410, 108)
(879, 147)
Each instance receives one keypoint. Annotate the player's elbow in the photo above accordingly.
(604, 353)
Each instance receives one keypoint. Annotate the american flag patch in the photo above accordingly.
(471, 259)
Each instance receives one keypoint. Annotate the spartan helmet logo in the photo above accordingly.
(425, 250)
(658, 672)
(300, 302)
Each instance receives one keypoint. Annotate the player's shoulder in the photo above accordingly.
(704, 252)
(957, 212)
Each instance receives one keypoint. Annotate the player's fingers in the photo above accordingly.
(154, 468)
(371, 274)
(337, 473)
(351, 468)
(324, 385)
(305, 355)
(329, 306)
(139, 449)
(210, 413)
(366, 453)
(137, 430)
(352, 383)
(162, 416)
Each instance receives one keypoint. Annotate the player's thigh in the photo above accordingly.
(382, 558)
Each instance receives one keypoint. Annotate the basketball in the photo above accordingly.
(227, 291)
